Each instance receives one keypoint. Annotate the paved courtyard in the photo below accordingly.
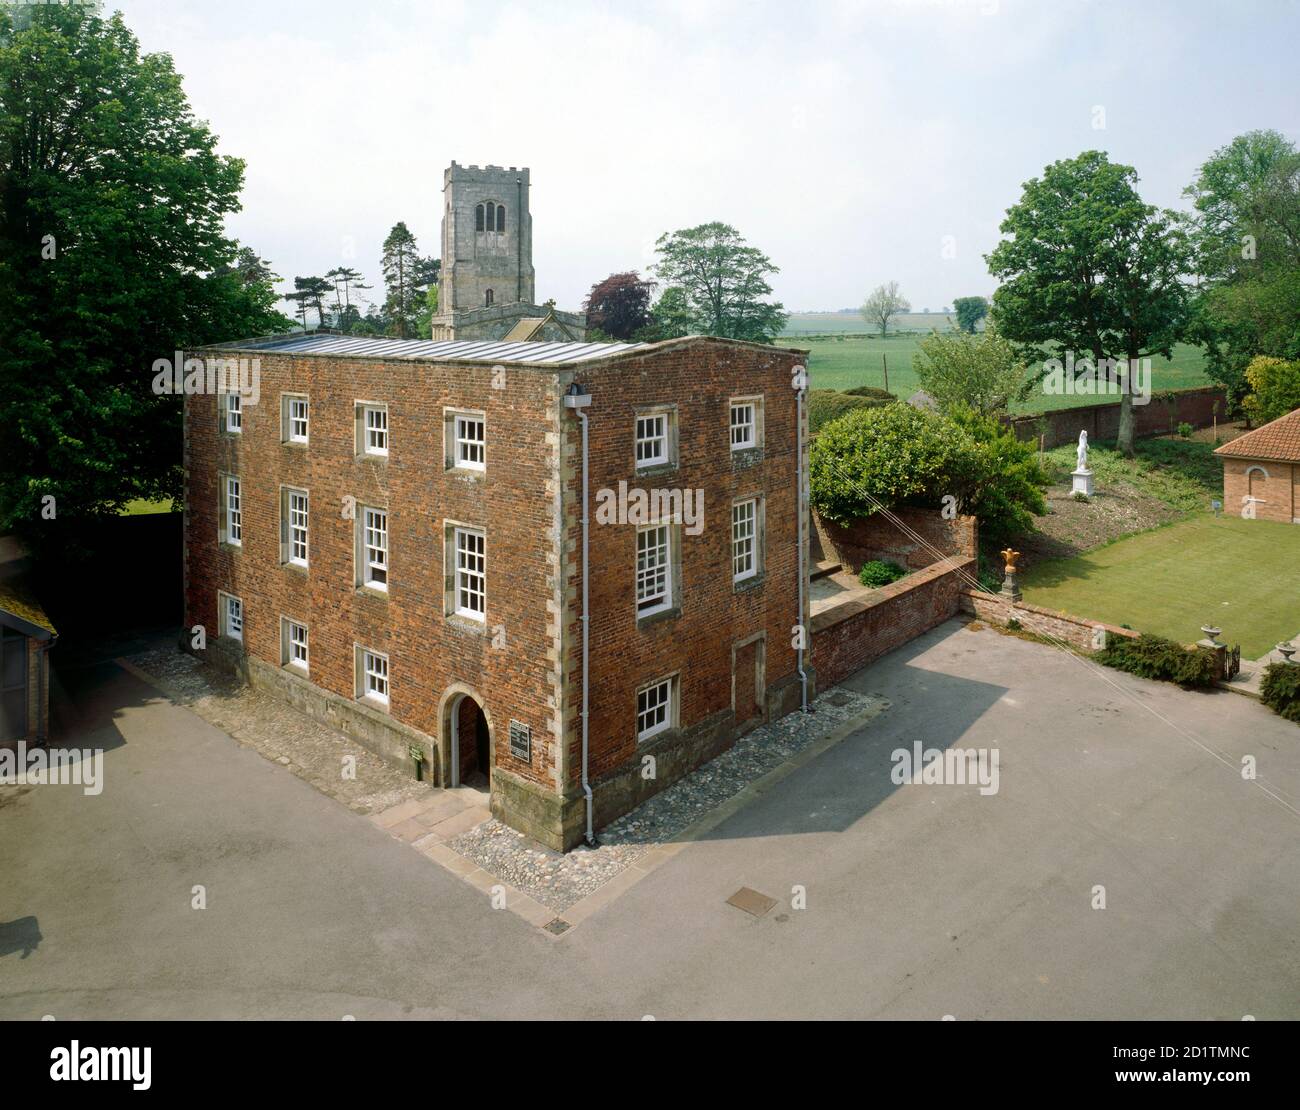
(919, 900)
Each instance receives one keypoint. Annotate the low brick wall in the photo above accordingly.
(878, 537)
(1078, 632)
(867, 625)
(1160, 416)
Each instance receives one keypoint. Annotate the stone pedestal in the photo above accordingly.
(1082, 481)
(1010, 586)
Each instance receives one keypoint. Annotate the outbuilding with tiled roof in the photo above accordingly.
(1261, 471)
(26, 635)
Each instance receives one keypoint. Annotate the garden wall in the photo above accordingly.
(1161, 416)
(869, 624)
(1078, 632)
(878, 537)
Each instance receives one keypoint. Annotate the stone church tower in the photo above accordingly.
(487, 287)
(487, 238)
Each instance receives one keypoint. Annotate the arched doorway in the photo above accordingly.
(469, 743)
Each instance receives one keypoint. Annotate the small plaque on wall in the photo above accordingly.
(521, 740)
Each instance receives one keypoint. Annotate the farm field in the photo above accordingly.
(840, 363)
(827, 323)
(1170, 581)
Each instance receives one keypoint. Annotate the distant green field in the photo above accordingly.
(824, 323)
(840, 363)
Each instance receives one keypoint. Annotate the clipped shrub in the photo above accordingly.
(881, 395)
(825, 405)
(1280, 690)
(880, 572)
(1158, 658)
(1185, 430)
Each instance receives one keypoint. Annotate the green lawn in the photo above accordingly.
(141, 507)
(1170, 581)
(841, 362)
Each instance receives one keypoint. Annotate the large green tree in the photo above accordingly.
(113, 254)
(1087, 267)
(722, 282)
(970, 311)
(1246, 230)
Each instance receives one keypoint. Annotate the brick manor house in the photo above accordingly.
(393, 538)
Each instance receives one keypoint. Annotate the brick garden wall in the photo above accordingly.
(878, 537)
(1078, 632)
(1101, 421)
(861, 629)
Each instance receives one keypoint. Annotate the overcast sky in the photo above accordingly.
(846, 138)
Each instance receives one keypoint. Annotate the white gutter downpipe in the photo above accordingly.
(579, 399)
(801, 385)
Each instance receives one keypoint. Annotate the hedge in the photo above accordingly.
(825, 405)
(1155, 657)
(1280, 690)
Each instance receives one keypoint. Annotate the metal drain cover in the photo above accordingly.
(556, 926)
(751, 901)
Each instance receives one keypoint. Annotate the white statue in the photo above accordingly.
(1082, 475)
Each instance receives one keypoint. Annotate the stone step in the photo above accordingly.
(824, 568)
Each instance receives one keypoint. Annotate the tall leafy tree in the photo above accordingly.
(346, 281)
(722, 282)
(885, 302)
(970, 311)
(310, 292)
(405, 276)
(113, 254)
(619, 306)
(1087, 267)
(1246, 230)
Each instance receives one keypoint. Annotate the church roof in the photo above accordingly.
(524, 329)
(425, 350)
(1278, 440)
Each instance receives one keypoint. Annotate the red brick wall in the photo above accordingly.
(863, 628)
(1078, 632)
(1196, 407)
(427, 651)
(1275, 486)
(699, 378)
(878, 537)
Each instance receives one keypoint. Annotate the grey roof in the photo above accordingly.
(468, 350)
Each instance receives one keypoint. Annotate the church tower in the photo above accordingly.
(487, 239)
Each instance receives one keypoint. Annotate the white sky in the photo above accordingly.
(845, 138)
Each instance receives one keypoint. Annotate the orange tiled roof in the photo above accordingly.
(1278, 440)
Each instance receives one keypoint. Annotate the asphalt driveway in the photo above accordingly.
(921, 900)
